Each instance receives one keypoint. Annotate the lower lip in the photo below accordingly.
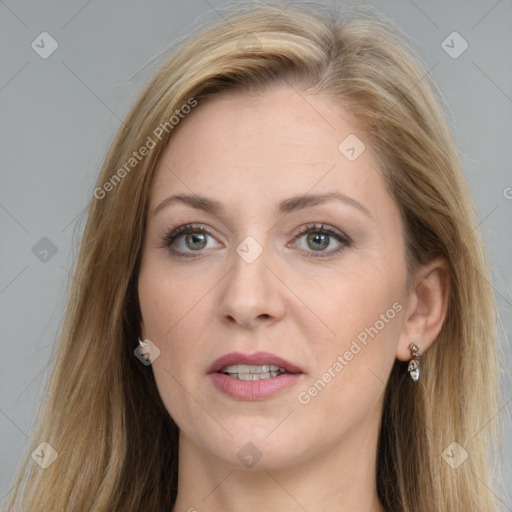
(253, 389)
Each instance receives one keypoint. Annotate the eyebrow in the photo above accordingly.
(286, 206)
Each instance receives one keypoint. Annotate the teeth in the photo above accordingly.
(254, 376)
(245, 368)
(253, 372)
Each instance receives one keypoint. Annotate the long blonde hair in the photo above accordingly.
(117, 445)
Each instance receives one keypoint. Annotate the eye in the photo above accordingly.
(194, 236)
(319, 237)
(195, 239)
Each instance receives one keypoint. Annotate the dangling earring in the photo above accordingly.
(414, 363)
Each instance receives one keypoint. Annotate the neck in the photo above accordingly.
(341, 479)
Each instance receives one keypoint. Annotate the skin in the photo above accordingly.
(251, 151)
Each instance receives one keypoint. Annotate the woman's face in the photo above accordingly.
(316, 285)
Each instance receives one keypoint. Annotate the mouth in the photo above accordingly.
(254, 376)
(255, 366)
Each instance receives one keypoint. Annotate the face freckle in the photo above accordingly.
(255, 285)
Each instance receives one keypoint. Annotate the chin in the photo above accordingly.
(255, 456)
(257, 446)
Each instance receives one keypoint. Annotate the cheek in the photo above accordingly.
(164, 300)
(349, 385)
(352, 300)
(166, 306)
(364, 311)
(166, 311)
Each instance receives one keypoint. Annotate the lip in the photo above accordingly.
(255, 389)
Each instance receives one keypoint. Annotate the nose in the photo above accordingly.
(253, 293)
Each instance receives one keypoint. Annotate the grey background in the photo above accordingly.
(59, 116)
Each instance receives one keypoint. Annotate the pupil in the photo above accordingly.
(315, 237)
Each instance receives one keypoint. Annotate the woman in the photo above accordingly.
(280, 301)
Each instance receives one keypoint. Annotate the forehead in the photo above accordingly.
(244, 146)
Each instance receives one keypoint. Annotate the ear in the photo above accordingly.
(426, 308)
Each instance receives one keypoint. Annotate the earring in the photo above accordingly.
(414, 363)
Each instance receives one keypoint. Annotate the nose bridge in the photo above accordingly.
(251, 290)
(250, 261)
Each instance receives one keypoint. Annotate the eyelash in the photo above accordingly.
(169, 238)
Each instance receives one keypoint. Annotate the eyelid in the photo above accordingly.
(322, 227)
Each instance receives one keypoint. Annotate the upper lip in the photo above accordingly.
(256, 358)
